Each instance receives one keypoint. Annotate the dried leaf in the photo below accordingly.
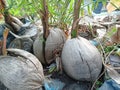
(113, 5)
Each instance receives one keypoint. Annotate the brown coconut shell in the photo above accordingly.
(21, 73)
(81, 60)
(54, 41)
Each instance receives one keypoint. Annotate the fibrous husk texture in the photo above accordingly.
(19, 73)
(81, 60)
(22, 43)
(28, 30)
(54, 41)
(38, 48)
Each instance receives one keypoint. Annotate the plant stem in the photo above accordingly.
(2, 5)
(5, 34)
(44, 17)
(75, 28)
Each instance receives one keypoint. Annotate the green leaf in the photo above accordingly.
(89, 10)
(74, 34)
(109, 48)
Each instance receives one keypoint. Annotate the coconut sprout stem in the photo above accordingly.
(77, 5)
(5, 34)
(2, 5)
(45, 17)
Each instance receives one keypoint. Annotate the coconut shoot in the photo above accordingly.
(44, 18)
(77, 5)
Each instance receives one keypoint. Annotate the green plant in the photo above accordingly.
(60, 11)
(24, 7)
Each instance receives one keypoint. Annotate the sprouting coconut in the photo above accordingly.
(81, 60)
(55, 40)
(49, 44)
(24, 72)
(19, 69)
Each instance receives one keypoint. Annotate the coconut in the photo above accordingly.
(38, 48)
(21, 73)
(81, 60)
(54, 41)
(22, 43)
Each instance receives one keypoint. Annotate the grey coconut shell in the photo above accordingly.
(18, 73)
(54, 41)
(22, 43)
(38, 48)
(81, 60)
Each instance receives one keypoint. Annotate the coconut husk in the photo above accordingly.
(27, 30)
(38, 48)
(24, 72)
(81, 60)
(54, 41)
(22, 43)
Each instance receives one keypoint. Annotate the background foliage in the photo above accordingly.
(60, 11)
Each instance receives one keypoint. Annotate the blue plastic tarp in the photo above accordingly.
(110, 85)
